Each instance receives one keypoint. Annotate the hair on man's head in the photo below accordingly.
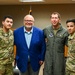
(55, 14)
(7, 16)
(70, 20)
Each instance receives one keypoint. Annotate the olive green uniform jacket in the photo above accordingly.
(54, 58)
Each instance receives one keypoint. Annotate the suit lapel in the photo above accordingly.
(34, 34)
(23, 37)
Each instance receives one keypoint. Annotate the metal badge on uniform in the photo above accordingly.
(60, 35)
(51, 35)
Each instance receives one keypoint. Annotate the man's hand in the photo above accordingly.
(40, 62)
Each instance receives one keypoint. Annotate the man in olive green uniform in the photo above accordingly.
(6, 46)
(70, 63)
(56, 39)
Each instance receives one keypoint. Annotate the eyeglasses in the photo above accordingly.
(28, 21)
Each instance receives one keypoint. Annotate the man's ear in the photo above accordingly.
(59, 21)
(2, 22)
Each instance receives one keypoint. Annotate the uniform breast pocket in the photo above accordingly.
(60, 40)
(60, 44)
(4, 41)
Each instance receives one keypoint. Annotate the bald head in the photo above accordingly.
(29, 17)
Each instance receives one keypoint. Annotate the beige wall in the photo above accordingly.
(41, 13)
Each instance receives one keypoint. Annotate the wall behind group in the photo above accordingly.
(41, 13)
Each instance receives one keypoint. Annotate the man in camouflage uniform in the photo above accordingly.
(6, 46)
(70, 63)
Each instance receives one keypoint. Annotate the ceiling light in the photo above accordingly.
(73, 0)
(31, 0)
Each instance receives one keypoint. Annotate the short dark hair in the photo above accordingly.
(70, 20)
(7, 16)
(57, 14)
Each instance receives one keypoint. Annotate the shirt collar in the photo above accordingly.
(71, 36)
(27, 31)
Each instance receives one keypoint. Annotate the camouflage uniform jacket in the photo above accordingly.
(70, 63)
(6, 47)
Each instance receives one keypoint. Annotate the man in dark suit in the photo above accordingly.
(30, 47)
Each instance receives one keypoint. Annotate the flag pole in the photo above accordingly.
(30, 11)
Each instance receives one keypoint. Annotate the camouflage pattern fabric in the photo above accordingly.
(70, 63)
(6, 48)
(6, 69)
(69, 72)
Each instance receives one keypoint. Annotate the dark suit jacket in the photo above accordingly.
(36, 50)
